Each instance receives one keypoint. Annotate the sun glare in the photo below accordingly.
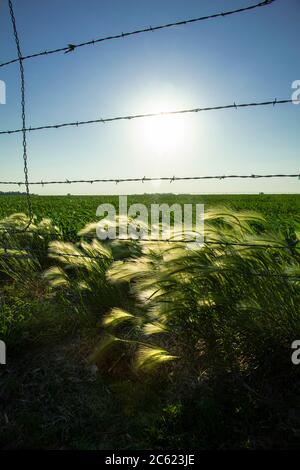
(163, 134)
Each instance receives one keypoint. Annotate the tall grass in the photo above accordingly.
(226, 306)
(17, 262)
(194, 307)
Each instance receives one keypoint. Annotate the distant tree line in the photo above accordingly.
(13, 193)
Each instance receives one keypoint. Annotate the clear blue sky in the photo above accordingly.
(251, 56)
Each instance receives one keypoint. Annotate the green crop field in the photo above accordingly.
(71, 213)
(138, 345)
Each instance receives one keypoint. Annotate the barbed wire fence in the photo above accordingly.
(31, 252)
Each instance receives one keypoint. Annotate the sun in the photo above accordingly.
(163, 134)
(166, 133)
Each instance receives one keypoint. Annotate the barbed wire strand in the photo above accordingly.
(145, 179)
(149, 115)
(72, 47)
(95, 257)
(23, 109)
(292, 244)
